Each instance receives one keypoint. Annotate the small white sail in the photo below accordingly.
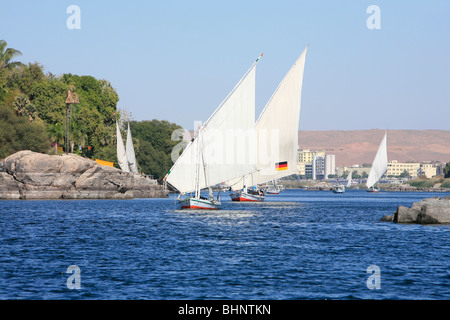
(131, 158)
(277, 130)
(121, 154)
(379, 165)
(235, 115)
(349, 179)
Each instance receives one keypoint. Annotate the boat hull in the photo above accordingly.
(198, 204)
(372, 190)
(338, 189)
(245, 196)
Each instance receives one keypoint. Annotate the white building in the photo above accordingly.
(330, 165)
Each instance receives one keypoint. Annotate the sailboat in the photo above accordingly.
(379, 166)
(277, 133)
(121, 153)
(247, 194)
(349, 179)
(274, 188)
(340, 188)
(131, 158)
(205, 160)
(125, 156)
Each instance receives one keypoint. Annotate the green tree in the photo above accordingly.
(356, 175)
(447, 170)
(23, 107)
(49, 98)
(6, 55)
(56, 132)
(25, 77)
(154, 146)
(18, 133)
(405, 174)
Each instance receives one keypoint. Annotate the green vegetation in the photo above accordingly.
(447, 170)
(153, 146)
(33, 115)
(421, 183)
(18, 133)
(6, 55)
(446, 183)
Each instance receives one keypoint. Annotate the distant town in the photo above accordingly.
(318, 165)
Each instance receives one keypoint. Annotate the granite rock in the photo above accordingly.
(31, 175)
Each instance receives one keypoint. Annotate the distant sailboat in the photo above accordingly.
(379, 166)
(125, 156)
(274, 188)
(277, 133)
(204, 162)
(349, 179)
(121, 153)
(339, 189)
(131, 158)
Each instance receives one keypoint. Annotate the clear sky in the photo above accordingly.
(177, 60)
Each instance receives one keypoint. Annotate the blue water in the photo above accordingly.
(296, 245)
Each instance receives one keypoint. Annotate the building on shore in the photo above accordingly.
(355, 169)
(428, 169)
(316, 165)
(396, 168)
(330, 165)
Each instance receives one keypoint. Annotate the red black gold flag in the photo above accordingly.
(281, 166)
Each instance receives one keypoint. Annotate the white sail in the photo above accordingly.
(121, 154)
(131, 158)
(220, 150)
(349, 179)
(277, 130)
(379, 165)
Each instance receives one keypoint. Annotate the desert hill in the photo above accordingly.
(360, 146)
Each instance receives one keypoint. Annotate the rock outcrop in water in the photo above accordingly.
(321, 186)
(428, 211)
(31, 175)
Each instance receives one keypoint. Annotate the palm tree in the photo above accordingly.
(57, 133)
(23, 107)
(6, 55)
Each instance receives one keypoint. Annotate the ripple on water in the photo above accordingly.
(301, 245)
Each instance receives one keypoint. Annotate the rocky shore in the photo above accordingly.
(428, 211)
(327, 186)
(31, 175)
(407, 187)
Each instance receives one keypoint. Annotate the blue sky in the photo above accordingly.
(177, 60)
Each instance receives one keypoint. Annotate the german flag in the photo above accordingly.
(279, 166)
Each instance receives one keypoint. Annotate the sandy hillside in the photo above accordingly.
(360, 146)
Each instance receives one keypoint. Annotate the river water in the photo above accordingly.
(296, 245)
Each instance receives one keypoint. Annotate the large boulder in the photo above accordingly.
(31, 175)
(428, 211)
(322, 185)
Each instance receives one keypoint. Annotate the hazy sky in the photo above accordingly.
(177, 60)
